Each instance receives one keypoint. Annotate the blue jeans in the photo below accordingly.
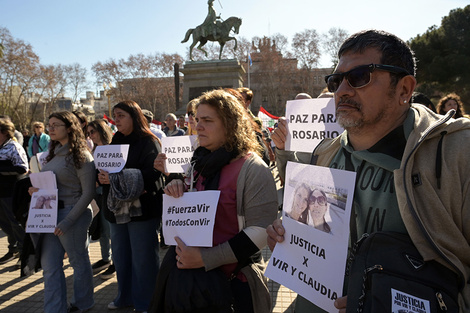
(8, 223)
(135, 247)
(75, 243)
(105, 237)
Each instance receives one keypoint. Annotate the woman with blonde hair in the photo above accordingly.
(227, 159)
(39, 141)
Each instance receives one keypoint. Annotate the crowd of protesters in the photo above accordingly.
(232, 147)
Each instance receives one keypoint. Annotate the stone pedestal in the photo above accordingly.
(201, 76)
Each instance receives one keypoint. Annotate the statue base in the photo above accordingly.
(202, 76)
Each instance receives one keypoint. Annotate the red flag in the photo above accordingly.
(267, 118)
(110, 120)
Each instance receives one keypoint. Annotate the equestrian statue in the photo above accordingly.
(212, 29)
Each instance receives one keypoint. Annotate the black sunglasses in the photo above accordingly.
(320, 200)
(190, 113)
(360, 76)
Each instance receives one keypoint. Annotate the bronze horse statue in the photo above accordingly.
(222, 35)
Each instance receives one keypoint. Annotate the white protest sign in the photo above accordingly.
(42, 217)
(179, 151)
(41, 157)
(190, 217)
(43, 180)
(317, 208)
(111, 158)
(309, 122)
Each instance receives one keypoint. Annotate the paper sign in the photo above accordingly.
(179, 151)
(41, 157)
(190, 217)
(309, 122)
(42, 217)
(317, 208)
(43, 180)
(111, 158)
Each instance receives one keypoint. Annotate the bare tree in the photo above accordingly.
(306, 46)
(75, 75)
(332, 41)
(19, 70)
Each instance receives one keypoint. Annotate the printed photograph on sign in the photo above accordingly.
(318, 206)
(312, 258)
(42, 216)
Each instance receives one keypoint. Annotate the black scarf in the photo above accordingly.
(209, 164)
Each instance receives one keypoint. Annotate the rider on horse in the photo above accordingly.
(211, 23)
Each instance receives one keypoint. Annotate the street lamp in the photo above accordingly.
(108, 92)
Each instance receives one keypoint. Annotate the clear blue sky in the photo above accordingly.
(88, 31)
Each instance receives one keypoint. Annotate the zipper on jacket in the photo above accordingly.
(441, 302)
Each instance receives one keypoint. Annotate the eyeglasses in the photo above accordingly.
(37, 126)
(321, 200)
(191, 113)
(360, 76)
(52, 127)
(91, 132)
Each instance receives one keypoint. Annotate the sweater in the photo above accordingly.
(76, 186)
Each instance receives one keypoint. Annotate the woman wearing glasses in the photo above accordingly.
(39, 142)
(317, 208)
(190, 109)
(101, 134)
(72, 164)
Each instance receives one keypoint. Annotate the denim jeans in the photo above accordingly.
(135, 256)
(105, 237)
(75, 243)
(12, 228)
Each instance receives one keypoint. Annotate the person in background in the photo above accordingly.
(181, 123)
(171, 129)
(372, 85)
(133, 236)
(451, 101)
(83, 123)
(13, 167)
(18, 135)
(39, 141)
(153, 128)
(26, 137)
(227, 159)
(71, 162)
(101, 134)
(190, 111)
(421, 98)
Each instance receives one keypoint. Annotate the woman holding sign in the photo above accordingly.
(227, 159)
(72, 164)
(134, 242)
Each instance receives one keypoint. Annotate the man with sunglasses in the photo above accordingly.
(406, 157)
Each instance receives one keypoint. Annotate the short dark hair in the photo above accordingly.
(394, 50)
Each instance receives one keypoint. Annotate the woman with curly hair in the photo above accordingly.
(451, 101)
(72, 164)
(227, 159)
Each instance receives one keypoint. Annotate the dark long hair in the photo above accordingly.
(76, 140)
(140, 124)
(105, 132)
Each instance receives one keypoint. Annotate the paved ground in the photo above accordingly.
(25, 295)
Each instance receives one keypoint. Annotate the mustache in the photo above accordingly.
(350, 102)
